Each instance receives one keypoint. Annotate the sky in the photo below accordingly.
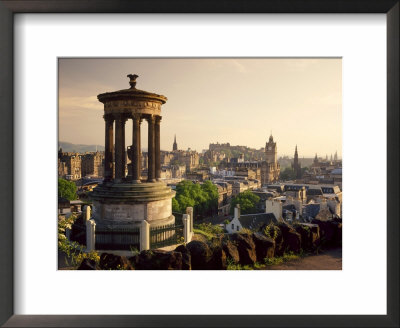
(235, 100)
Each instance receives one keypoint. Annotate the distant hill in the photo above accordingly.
(70, 147)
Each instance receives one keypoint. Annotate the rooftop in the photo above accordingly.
(256, 221)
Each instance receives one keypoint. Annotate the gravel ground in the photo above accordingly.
(328, 260)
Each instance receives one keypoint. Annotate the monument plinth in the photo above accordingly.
(128, 200)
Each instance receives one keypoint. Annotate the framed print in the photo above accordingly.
(40, 44)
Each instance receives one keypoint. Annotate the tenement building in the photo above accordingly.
(69, 165)
(126, 201)
(92, 164)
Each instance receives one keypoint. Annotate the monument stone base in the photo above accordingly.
(128, 204)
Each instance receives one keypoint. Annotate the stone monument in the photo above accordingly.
(126, 201)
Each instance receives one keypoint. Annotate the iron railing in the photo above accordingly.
(117, 238)
(166, 235)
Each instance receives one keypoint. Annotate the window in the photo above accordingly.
(237, 228)
(233, 226)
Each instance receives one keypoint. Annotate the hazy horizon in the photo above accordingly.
(240, 101)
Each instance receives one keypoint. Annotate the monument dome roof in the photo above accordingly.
(131, 93)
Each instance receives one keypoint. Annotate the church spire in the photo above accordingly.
(296, 164)
(175, 145)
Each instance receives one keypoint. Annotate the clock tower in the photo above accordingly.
(271, 151)
(270, 168)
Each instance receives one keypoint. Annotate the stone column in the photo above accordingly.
(120, 148)
(109, 148)
(136, 161)
(90, 235)
(187, 234)
(151, 150)
(87, 213)
(189, 211)
(144, 236)
(157, 148)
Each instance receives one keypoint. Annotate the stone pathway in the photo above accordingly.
(328, 260)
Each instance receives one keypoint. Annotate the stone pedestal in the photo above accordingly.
(130, 204)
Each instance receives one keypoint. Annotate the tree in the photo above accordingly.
(202, 197)
(211, 190)
(175, 206)
(66, 189)
(247, 201)
(287, 174)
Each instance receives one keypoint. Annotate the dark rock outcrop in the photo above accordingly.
(87, 264)
(231, 251)
(309, 233)
(200, 254)
(291, 239)
(114, 262)
(218, 259)
(157, 260)
(246, 248)
(186, 258)
(265, 247)
(330, 231)
(272, 231)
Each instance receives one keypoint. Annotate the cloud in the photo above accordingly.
(238, 66)
(301, 64)
(91, 103)
(229, 63)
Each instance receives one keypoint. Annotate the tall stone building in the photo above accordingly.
(166, 157)
(62, 169)
(175, 145)
(270, 168)
(92, 164)
(69, 165)
(296, 165)
(271, 150)
(189, 158)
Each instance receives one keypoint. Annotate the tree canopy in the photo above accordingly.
(66, 189)
(247, 201)
(202, 197)
(287, 174)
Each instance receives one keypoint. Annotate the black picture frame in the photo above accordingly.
(7, 10)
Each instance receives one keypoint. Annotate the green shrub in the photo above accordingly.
(237, 266)
(245, 231)
(281, 259)
(271, 231)
(209, 228)
(74, 252)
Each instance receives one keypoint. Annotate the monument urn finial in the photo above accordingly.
(132, 80)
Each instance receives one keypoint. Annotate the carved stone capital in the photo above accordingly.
(137, 117)
(151, 119)
(121, 118)
(109, 118)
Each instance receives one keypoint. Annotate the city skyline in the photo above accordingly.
(240, 101)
